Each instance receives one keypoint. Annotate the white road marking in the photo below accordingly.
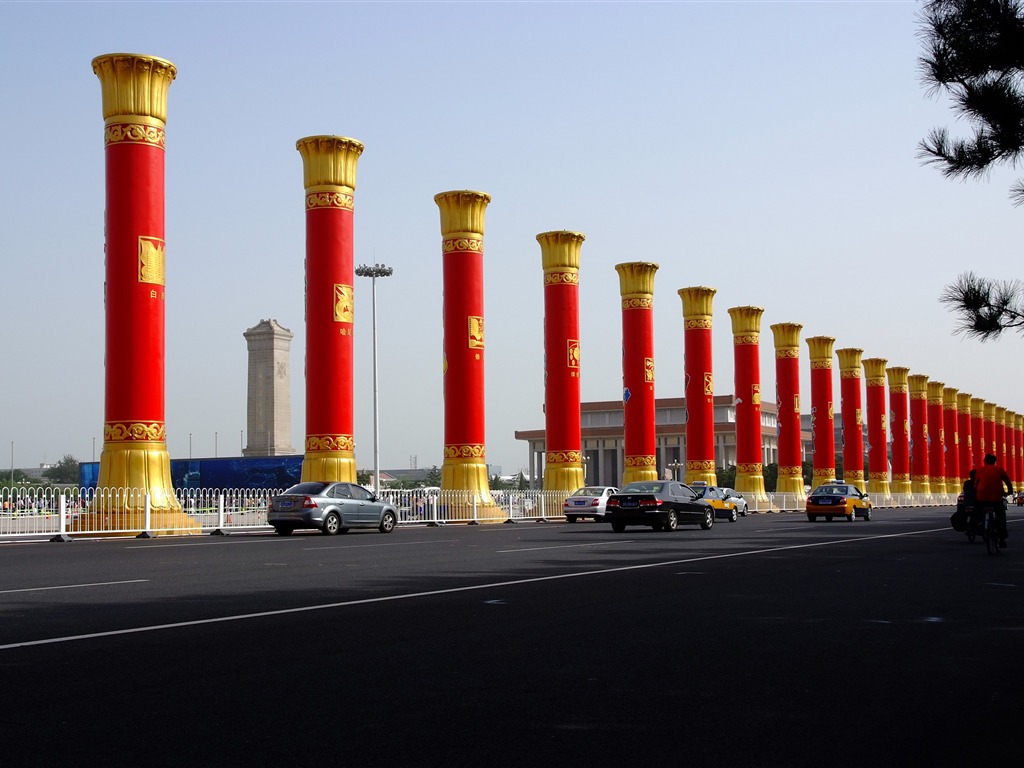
(72, 586)
(448, 591)
(565, 546)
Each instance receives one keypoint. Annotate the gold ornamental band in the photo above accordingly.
(143, 131)
(637, 302)
(787, 353)
(697, 324)
(330, 443)
(874, 382)
(640, 461)
(883, 476)
(338, 200)
(700, 465)
(132, 431)
(899, 389)
(899, 477)
(790, 471)
(563, 457)
(561, 278)
(462, 244)
(471, 451)
(918, 395)
(749, 469)
(821, 365)
(852, 373)
(854, 474)
(746, 340)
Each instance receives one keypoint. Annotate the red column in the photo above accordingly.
(787, 398)
(636, 287)
(899, 425)
(936, 439)
(951, 439)
(1018, 441)
(1000, 421)
(919, 455)
(746, 336)
(329, 176)
(134, 455)
(822, 413)
(560, 258)
(977, 431)
(877, 434)
(991, 444)
(698, 384)
(853, 416)
(465, 457)
(965, 447)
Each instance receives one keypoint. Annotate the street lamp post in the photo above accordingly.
(377, 270)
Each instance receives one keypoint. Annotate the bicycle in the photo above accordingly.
(990, 530)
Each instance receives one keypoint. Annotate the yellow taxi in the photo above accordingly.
(725, 504)
(838, 499)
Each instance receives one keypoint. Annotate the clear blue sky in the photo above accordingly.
(766, 149)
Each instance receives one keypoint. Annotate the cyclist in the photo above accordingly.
(989, 483)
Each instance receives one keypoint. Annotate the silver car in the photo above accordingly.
(331, 508)
(589, 501)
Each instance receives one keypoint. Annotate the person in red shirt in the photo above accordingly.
(991, 484)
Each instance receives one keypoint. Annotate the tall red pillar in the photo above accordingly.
(977, 431)
(1000, 420)
(746, 337)
(1018, 441)
(936, 439)
(966, 444)
(991, 445)
(134, 456)
(899, 425)
(951, 439)
(822, 409)
(850, 407)
(699, 384)
(636, 287)
(329, 178)
(462, 243)
(790, 485)
(919, 454)
(560, 258)
(877, 432)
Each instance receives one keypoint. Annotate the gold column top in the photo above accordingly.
(897, 378)
(1000, 415)
(462, 211)
(849, 361)
(329, 161)
(560, 250)
(977, 407)
(874, 371)
(990, 411)
(821, 348)
(746, 321)
(949, 398)
(787, 336)
(134, 85)
(697, 302)
(963, 402)
(918, 383)
(636, 278)
(935, 392)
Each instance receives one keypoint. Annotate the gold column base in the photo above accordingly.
(639, 474)
(790, 483)
(901, 484)
(878, 487)
(465, 485)
(567, 476)
(937, 485)
(921, 487)
(822, 476)
(329, 467)
(701, 471)
(751, 485)
(129, 472)
(855, 477)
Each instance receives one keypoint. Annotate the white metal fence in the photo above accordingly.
(61, 513)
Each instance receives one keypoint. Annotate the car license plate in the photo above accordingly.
(826, 502)
(580, 503)
(630, 504)
(284, 504)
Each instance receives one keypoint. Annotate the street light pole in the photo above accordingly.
(377, 270)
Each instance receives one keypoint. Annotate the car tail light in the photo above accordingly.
(658, 502)
(595, 503)
(612, 503)
(308, 503)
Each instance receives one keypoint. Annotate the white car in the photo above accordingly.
(588, 501)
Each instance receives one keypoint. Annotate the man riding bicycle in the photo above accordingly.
(991, 484)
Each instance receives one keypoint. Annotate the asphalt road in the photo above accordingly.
(766, 642)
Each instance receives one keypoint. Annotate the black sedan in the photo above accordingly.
(660, 504)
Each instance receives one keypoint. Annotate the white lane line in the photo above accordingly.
(566, 546)
(392, 544)
(72, 586)
(449, 591)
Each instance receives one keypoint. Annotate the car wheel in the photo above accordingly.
(867, 515)
(332, 523)
(671, 521)
(618, 527)
(851, 517)
(709, 519)
(388, 522)
(733, 517)
(283, 530)
(743, 510)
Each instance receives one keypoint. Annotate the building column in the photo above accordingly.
(636, 287)
(1018, 439)
(787, 400)
(965, 447)
(899, 425)
(1000, 422)
(822, 410)
(977, 431)
(936, 439)
(462, 244)
(877, 434)
(853, 416)
(329, 179)
(698, 384)
(951, 440)
(560, 259)
(919, 454)
(746, 336)
(134, 90)
(991, 444)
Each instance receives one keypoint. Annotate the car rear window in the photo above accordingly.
(308, 489)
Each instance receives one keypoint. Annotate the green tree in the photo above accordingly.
(771, 477)
(974, 53)
(64, 471)
(726, 477)
(984, 307)
(433, 479)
